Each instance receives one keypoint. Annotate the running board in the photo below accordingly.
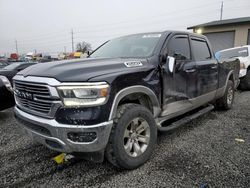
(185, 119)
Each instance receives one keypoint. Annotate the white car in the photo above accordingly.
(243, 54)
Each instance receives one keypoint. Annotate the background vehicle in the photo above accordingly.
(45, 59)
(3, 64)
(242, 53)
(14, 56)
(6, 75)
(114, 102)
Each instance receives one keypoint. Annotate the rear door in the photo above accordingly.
(207, 69)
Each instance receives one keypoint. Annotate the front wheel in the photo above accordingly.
(226, 102)
(132, 138)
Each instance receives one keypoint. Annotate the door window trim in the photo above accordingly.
(182, 35)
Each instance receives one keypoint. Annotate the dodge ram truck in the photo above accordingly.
(113, 103)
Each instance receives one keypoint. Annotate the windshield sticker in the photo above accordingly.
(133, 64)
(151, 36)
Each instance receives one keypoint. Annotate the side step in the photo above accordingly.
(185, 119)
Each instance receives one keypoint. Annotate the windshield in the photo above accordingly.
(12, 66)
(140, 45)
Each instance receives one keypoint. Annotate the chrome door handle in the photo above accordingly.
(190, 70)
(214, 67)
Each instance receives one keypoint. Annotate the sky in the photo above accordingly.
(46, 25)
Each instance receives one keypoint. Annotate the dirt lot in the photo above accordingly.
(202, 153)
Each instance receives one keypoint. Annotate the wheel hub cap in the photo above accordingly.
(136, 137)
(133, 136)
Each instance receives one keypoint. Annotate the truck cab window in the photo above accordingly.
(200, 50)
(179, 48)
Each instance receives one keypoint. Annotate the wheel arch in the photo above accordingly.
(230, 76)
(126, 94)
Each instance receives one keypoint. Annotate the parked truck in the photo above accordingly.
(114, 102)
(242, 53)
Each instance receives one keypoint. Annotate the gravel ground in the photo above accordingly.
(202, 153)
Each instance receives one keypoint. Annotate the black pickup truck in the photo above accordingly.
(6, 75)
(113, 102)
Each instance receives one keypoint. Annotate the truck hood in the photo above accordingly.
(83, 69)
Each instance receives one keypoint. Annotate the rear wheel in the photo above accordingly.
(132, 138)
(226, 102)
(245, 82)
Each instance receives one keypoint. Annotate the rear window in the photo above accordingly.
(237, 52)
(200, 50)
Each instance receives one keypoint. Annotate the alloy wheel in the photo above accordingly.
(136, 137)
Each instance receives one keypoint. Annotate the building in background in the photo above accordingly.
(224, 34)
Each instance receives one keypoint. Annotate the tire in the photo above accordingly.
(130, 116)
(245, 82)
(226, 102)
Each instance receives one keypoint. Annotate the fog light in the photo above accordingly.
(82, 137)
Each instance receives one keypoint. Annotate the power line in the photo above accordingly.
(161, 21)
(16, 46)
(49, 35)
(72, 39)
(139, 19)
(124, 26)
(52, 35)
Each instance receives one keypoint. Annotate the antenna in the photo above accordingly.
(221, 10)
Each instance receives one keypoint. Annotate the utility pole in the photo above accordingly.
(72, 39)
(16, 46)
(65, 49)
(221, 10)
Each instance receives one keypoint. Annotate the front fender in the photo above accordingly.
(135, 89)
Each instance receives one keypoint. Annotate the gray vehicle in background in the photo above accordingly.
(3, 64)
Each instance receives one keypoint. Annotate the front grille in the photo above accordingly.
(33, 96)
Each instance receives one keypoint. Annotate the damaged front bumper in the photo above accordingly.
(65, 138)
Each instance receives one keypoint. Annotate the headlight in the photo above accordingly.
(89, 95)
(7, 83)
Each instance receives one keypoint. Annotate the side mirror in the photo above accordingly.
(171, 63)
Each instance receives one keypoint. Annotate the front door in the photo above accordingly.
(180, 85)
